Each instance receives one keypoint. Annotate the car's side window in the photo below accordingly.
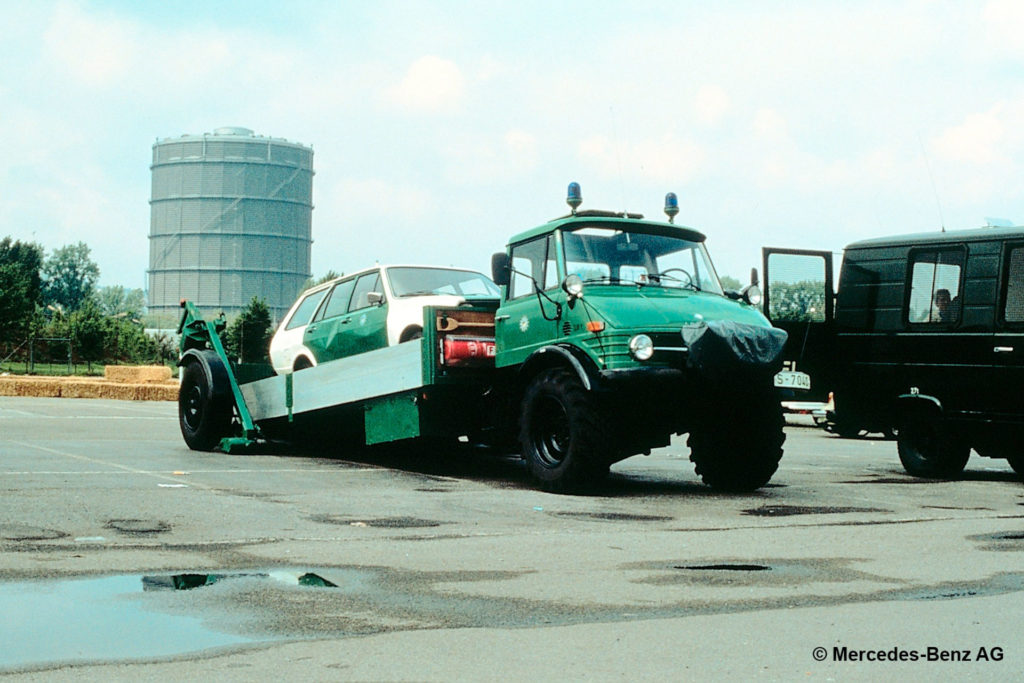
(1013, 311)
(305, 309)
(338, 301)
(366, 284)
(528, 266)
(935, 278)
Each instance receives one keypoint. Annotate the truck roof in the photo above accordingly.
(935, 237)
(607, 219)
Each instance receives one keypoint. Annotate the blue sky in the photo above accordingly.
(441, 128)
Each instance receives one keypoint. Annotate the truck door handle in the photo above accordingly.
(1003, 349)
(499, 318)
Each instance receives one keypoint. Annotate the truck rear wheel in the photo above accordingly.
(739, 453)
(204, 417)
(561, 433)
(928, 449)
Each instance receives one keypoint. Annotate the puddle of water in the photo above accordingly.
(93, 619)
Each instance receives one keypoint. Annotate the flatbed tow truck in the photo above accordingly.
(612, 333)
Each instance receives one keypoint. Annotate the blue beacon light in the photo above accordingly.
(575, 197)
(671, 206)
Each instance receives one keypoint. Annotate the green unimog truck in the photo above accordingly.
(612, 334)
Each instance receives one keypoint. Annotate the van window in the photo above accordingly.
(1014, 310)
(935, 286)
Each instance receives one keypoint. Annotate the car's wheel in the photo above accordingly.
(204, 417)
(928, 449)
(301, 363)
(742, 454)
(410, 334)
(562, 434)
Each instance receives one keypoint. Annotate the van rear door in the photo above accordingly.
(799, 298)
(1008, 346)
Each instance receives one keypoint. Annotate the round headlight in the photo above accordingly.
(641, 347)
(753, 295)
(573, 285)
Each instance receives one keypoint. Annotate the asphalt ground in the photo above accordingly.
(452, 566)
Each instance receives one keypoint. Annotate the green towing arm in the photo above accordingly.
(199, 334)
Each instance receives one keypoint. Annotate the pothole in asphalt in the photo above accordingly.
(184, 582)
(138, 526)
(614, 516)
(23, 532)
(727, 567)
(380, 522)
(787, 510)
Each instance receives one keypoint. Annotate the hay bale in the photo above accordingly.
(136, 374)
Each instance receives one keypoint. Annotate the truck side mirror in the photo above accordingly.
(500, 271)
(753, 277)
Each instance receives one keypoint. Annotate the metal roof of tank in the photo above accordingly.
(230, 132)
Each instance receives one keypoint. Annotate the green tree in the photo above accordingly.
(88, 332)
(118, 300)
(326, 277)
(797, 301)
(70, 276)
(20, 287)
(729, 282)
(247, 337)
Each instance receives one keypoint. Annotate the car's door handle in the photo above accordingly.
(1003, 349)
(311, 328)
(346, 321)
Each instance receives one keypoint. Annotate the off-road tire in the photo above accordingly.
(739, 452)
(562, 433)
(204, 417)
(928, 449)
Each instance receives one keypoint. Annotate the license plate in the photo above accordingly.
(793, 380)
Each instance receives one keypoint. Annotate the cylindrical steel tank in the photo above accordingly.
(230, 218)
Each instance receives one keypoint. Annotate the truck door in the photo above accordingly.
(1008, 347)
(525, 322)
(799, 298)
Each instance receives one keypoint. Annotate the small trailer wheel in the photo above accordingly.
(203, 415)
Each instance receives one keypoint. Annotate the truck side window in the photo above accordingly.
(528, 261)
(1014, 311)
(935, 286)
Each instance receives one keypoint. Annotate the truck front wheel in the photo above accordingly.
(739, 453)
(204, 417)
(561, 433)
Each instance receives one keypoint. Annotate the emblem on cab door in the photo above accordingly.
(524, 324)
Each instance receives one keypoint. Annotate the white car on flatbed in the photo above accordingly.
(371, 309)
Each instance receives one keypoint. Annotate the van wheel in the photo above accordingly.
(204, 417)
(928, 449)
(562, 434)
(739, 455)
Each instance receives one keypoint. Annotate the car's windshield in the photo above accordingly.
(614, 257)
(406, 281)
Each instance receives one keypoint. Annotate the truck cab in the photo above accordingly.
(925, 339)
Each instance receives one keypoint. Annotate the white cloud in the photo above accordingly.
(431, 84)
(96, 51)
(711, 103)
(978, 140)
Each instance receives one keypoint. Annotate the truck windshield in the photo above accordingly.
(615, 257)
(424, 281)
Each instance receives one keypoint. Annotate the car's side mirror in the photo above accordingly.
(754, 280)
(500, 271)
(375, 298)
